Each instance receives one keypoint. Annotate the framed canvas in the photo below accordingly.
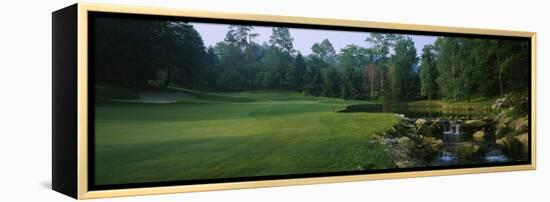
(156, 100)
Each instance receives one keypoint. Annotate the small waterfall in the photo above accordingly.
(496, 155)
(454, 128)
(446, 156)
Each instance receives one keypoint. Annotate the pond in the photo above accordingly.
(415, 112)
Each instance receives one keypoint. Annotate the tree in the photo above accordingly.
(428, 73)
(313, 77)
(403, 78)
(232, 80)
(350, 61)
(135, 53)
(372, 75)
(330, 82)
(381, 44)
(266, 80)
(282, 40)
(379, 54)
(181, 39)
(281, 52)
(447, 66)
(350, 84)
(210, 73)
(325, 51)
(353, 56)
(296, 76)
(513, 65)
(242, 37)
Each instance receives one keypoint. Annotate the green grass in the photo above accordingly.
(221, 135)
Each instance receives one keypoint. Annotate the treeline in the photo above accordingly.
(142, 54)
(458, 68)
(240, 64)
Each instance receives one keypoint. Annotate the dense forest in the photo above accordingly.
(143, 54)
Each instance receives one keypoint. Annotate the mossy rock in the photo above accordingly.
(479, 135)
(516, 146)
(431, 130)
(503, 130)
(420, 122)
(432, 144)
(467, 150)
(470, 125)
(406, 143)
(523, 139)
(521, 124)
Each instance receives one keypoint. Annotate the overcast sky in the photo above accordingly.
(303, 38)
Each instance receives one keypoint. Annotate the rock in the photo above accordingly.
(399, 153)
(406, 142)
(404, 164)
(425, 130)
(407, 123)
(503, 130)
(503, 117)
(432, 143)
(389, 141)
(412, 131)
(434, 129)
(523, 139)
(467, 150)
(392, 132)
(420, 122)
(479, 135)
(501, 103)
(377, 139)
(516, 146)
(521, 124)
(474, 124)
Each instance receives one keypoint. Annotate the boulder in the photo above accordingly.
(432, 144)
(393, 132)
(471, 126)
(479, 135)
(516, 146)
(405, 164)
(420, 122)
(411, 130)
(503, 130)
(467, 150)
(521, 124)
(501, 103)
(434, 129)
(503, 117)
(523, 139)
(406, 142)
(474, 124)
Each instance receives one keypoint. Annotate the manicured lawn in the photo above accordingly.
(221, 135)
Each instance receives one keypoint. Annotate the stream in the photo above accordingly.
(456, 141)
(452, 138)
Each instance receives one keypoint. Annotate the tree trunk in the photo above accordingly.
(371, 83)
(168, 77)
(453, 72)
(500, 80)
(382, 84)
(499, 74)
